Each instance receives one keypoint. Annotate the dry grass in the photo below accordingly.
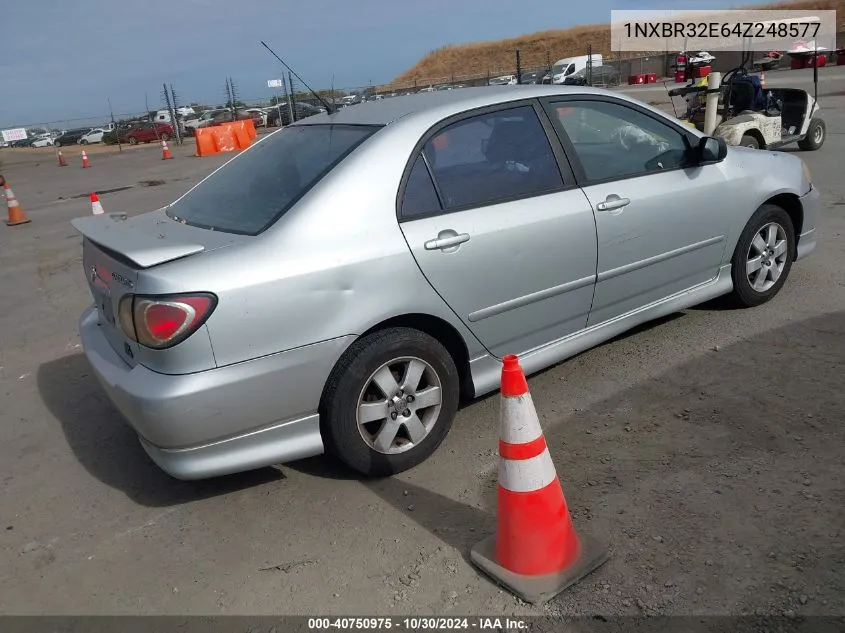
(536, 49)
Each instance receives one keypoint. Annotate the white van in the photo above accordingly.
(571, 65)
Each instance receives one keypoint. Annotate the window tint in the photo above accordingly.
(615, 141)
(420, 196)
(491, 157)
(257, 187)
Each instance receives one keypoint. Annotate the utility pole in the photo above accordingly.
(114, 128)
(292, 100)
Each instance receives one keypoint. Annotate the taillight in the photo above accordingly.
(163, 321)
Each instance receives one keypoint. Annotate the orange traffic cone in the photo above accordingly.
(16, 212)
(535, 552)
(85, 162)
(96, 205)
(62, 161)
(165, 152)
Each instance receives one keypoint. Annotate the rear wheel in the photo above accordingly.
(165, 138)
(390, 401)
(749, 140)
(133, 140)
(763, 256)
(816, 133)
(83, 142)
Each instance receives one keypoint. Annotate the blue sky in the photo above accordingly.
(62, 59)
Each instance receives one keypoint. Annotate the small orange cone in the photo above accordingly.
(16, 212)
(535, 552)
(62, 161)
(165, 152)
(96, 205)
(85, 162)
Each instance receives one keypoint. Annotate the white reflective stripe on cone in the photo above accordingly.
(527, 475)
(11, 202)
(520, 424)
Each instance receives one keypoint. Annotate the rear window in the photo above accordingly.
(253, 191)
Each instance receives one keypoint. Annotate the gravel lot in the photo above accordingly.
(705, 450)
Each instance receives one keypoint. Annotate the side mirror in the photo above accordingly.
(711, 150)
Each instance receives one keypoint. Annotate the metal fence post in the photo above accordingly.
(518, 68)
(292, 100)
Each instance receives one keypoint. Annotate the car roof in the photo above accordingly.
(445, 102)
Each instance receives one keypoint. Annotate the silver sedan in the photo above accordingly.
(339, 285)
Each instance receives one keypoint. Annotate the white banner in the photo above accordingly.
(737, 30)
(274, 83)
(17, 134)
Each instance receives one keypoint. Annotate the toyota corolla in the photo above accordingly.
(338, 285)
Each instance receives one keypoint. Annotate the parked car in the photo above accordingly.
(110, 137)
(71, 137)
(605, 76)
(259, 116)
(92, 136)
(203, 120)
(257, 320)
(44, 141)
(282, 113)
(349, 100)
(504, 80)
(529, 77)
(148, 132)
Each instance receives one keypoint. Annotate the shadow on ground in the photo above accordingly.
(109, 449)
(719, 486)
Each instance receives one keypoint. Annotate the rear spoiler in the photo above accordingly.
(146, 240)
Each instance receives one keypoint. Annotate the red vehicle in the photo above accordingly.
(148, 132)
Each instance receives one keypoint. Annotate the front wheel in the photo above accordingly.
(133, 140)
(165, 138)
(763, 256)
(390, 401)
(83, 142)
(816, 133)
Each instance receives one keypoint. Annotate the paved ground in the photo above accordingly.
(705, 450)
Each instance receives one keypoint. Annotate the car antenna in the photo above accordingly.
(319, 98)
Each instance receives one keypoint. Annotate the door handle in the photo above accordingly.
(612, 202)
(446, 242)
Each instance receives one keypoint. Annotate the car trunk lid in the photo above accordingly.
(116, 251)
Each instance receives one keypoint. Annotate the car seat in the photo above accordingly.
(520, 144)
(746, 93)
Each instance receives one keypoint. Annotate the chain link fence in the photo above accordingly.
(296, 101)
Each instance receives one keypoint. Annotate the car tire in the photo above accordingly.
(816, 134)
(165, 138)
(749, 140)
(387, 357)
(749, 260)
(83, 142)
(132, 140)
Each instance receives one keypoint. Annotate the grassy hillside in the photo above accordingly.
(536, 49)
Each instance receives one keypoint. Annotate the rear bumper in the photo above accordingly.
(224, 420)
(811, 205)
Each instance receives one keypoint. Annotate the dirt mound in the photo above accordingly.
(451, 63)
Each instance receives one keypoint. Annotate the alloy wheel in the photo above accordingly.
(766, 257)
(399, 405)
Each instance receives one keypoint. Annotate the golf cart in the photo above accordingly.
(750, 115)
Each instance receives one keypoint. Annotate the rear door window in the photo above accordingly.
(489, 158)
(259, 186)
